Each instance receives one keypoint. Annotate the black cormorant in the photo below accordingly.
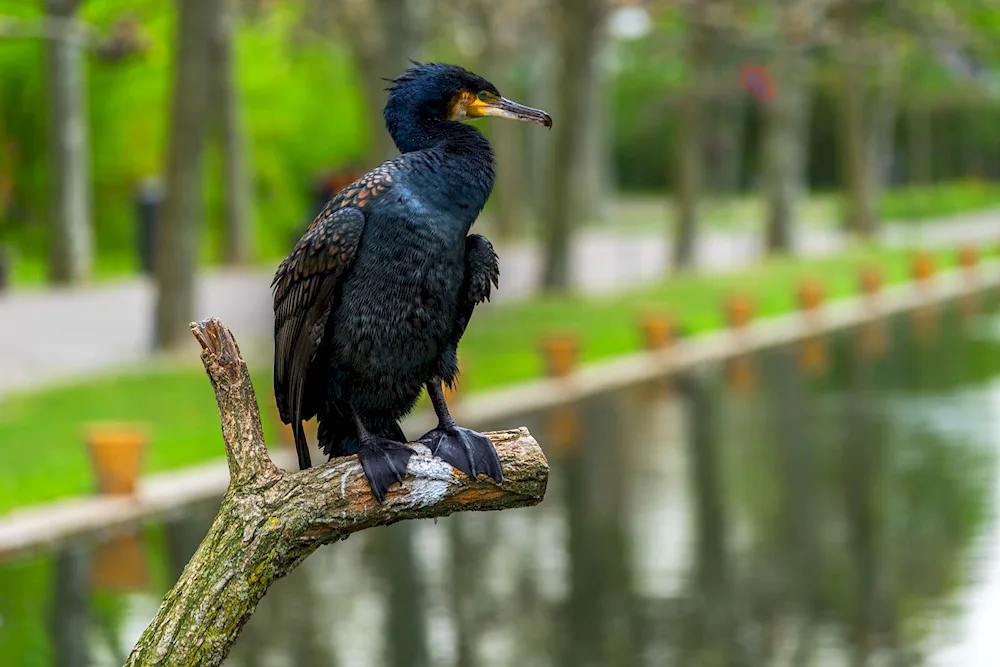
(371, 303)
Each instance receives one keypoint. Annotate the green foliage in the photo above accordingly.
(302, 110)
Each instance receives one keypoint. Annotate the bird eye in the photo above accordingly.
(482, 95)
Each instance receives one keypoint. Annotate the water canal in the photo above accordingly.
(828, 503)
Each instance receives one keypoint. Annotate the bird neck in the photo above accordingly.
(459, 160)
(413, 133)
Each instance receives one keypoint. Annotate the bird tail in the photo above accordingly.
(301, 445)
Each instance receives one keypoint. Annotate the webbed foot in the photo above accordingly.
(465, 449)
(384, 462)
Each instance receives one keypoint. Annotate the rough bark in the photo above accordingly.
(580, 22)
(270, 520)
(70, 233)
(238, 196)
(178, 234)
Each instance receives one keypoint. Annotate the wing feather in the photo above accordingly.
(304, 287)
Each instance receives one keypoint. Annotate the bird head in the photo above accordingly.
(439, 92)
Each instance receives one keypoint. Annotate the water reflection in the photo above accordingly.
(71, 616)
(827, 503)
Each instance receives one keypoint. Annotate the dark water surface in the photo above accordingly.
(830, 503)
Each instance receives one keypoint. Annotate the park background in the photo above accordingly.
(158, 159)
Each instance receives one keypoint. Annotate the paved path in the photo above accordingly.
(52, 335)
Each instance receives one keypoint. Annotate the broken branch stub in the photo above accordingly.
(271, 520)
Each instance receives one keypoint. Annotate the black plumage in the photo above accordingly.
(373, 300)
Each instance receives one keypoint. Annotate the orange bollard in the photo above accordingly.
(923, 266)
(870, 279)
(810, 294)
(560, 352)
(116, 452)
(739, 310)
(657, 331)
(968, 258)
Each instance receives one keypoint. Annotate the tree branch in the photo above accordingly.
(270, 520)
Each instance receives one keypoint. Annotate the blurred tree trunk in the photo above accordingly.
(537, 177)
(579, 24)
(727, 109)
(590, 178)
(499, 53)
(854, 149)
(786, 124)
(380, 144)
(867, 130)
(882, 135)
(383, 35)
(70, 233)
(238, 228)
(689, 141)
(177, 237)
(402, 40)
(508, 145)
(921, 148)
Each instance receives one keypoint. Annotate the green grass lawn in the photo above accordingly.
(922, 202)
(41, 435)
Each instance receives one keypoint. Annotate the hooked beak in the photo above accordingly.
(501, 107)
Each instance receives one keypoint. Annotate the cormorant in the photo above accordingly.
(371, 303)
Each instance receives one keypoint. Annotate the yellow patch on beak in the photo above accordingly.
(479, 108)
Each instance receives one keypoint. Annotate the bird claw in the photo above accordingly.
(384, 462)
(464, 449)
